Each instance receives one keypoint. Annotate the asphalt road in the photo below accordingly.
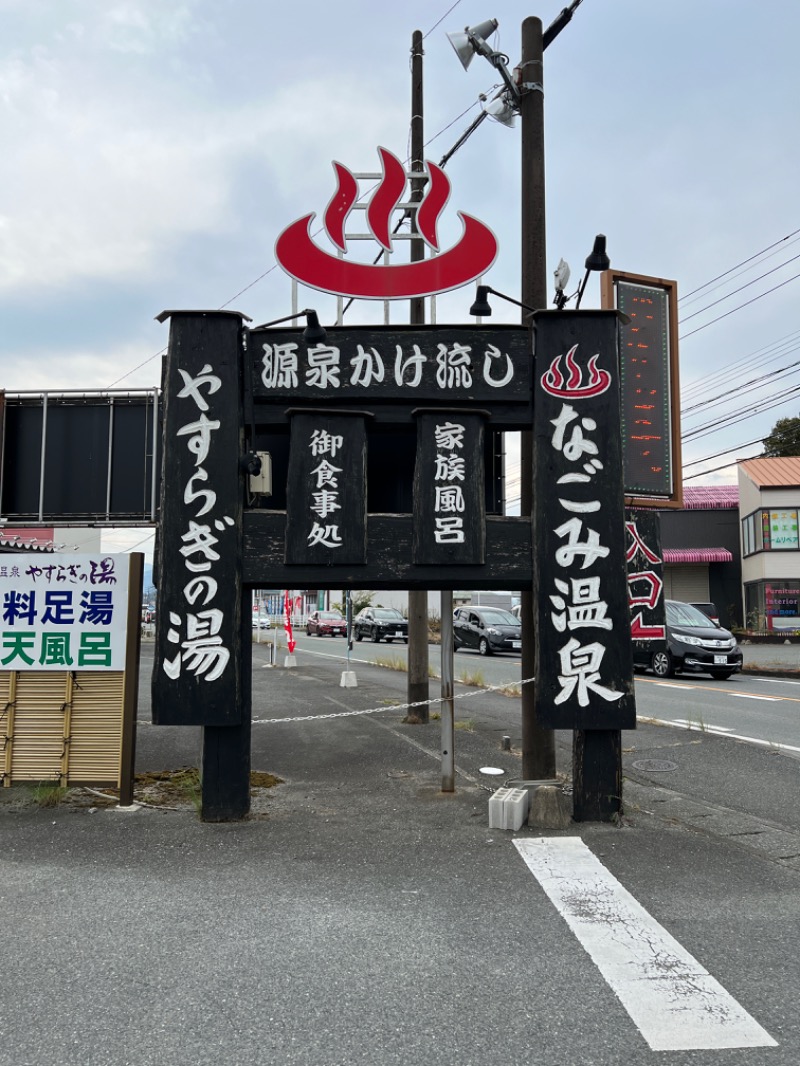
(762, 710)
(363, 917)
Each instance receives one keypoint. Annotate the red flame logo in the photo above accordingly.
(572, 387)
(467, 260)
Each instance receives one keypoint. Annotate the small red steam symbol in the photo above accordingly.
(572, 387)
(304, 260)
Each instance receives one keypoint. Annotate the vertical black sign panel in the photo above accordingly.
(584, 674)
(197, 669)
(645, 579)
(449, 497)
(326, 494)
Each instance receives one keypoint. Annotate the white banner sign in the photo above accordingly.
(63, 612)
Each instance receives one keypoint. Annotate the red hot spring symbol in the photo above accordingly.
(467, 260)
(573, 387)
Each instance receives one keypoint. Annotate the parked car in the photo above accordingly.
(380, 623)
(489, 629)
(709, 609)
(695, 644)
(261, 622)
(326, 623)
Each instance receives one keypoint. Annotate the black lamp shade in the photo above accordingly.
(598, 259)
(481, 308)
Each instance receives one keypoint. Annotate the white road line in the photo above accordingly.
(748, 696)
(675, 1003)
(698, 728)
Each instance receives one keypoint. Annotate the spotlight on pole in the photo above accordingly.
(472, 41)
(561, 274)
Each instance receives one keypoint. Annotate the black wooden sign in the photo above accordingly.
(645, 579)
(197, 670)
(449, 364)
(449, 498)
(326, 508)
(584, 673)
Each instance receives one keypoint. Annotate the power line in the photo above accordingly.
(784, 346)
(734, 309)
(743, 263)
(753, 382)
(741, 288)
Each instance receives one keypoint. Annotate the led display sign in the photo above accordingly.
(649, 385)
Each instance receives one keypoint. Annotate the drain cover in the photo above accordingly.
(655, 765)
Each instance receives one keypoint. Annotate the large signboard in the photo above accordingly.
(63, 612)
(584, 676)
(196, 678)
(85, 456)
(649, 407)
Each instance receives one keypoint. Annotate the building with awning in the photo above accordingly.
(701, 550)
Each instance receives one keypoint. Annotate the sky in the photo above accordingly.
(153, 152)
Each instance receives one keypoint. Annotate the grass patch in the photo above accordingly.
(177, 787)
(467, 724)
(510, 690)
(475, 678)
(47, 794)
(392, 662)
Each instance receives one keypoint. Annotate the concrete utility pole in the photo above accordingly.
(538, 745)
(417, 600)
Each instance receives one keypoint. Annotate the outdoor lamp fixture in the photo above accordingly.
(481, 307)
(313, 331)
(502, 110)
(561, 274)
(596, 260)
(473, 42)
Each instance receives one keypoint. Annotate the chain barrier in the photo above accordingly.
(391, 707)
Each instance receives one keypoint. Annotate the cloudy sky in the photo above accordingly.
(153, 151)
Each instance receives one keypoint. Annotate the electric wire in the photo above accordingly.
(741, 288)
(743, 263)
(776, 349)
(733, 310)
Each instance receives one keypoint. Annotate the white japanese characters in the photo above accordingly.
(289, 366)
(325, 489)
(578, 610)
(448, 476)
(199, 646)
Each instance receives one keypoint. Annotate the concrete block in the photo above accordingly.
(348, 679)
(550, 808)
(508, 808)
(497, 808)
(515, 808)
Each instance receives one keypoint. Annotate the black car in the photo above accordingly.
(695, 644)
(325, 623)
(380, 623)
(489, 629)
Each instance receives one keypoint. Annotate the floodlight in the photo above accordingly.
(466, 44)
(502, 110)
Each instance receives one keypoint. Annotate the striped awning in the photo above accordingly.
(697, 555)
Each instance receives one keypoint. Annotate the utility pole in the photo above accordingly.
(538, 744)
(418, 690)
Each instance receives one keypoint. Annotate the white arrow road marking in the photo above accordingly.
(675, 1003)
